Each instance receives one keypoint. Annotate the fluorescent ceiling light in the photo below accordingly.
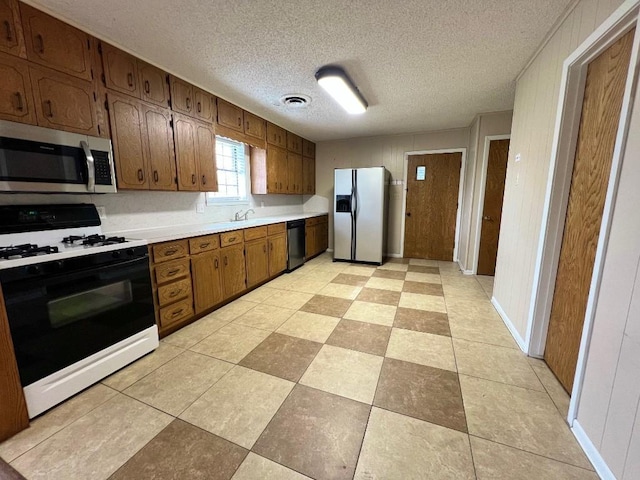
(336, 82)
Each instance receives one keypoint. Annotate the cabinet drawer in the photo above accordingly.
(176, 312)
(203, 244)
(174, 291)
(310, 222)
(170, 250)
(172, 271)
(231, 238)
(255, 232)
(276, 228)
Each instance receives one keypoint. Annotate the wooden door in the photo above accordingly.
(207, 280)
(181, 96)
(294, 143)
(604, 89)
(64, 102)
(294, 172)
(492, 208)
(184, 132)
(233, 270)
(257, 260)
(206, 158)
(432, 205)
(276, 135)
(308, 176)
(154, 87)
(254, 126)
(126, 117)
(120, 71)
(16, 97)
(277, 254)
(11, 36)
(204, 105)
(159, 149)
(229, 115)
(56, 44)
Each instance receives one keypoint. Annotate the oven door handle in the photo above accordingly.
(91, 180)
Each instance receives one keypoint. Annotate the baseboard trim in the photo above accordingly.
(592, 453)
(512, 329)
(393, 255)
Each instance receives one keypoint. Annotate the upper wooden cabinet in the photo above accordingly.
(63, 102)
(154, 84)
(195, 155)
(276, 135)
(120, 70)
(181, 96)
(294, 173)
(254, 126)
(11, 37)
(205, 105)
(308, 148)
(157, 139)
(294, 143)
(16, 98)
(308, 176)
(206, 158)
(55, 44)
(229, 115)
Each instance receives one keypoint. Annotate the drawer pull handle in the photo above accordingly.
(239, 121)
(40, 42)
(199, 108)
(20, 106)
(155, 176)
(188, 103)
(226, 261)
(204, 180)
(177, 312)
(193, 178)
(271, 246)
(232, 239)
(205, 245)
(215, 263)
(140, 175)
(264, 248)
(175, 293)
(172, 273)
(49, 110)
(130, 79)
(147, 87)
(173, 251)
(7, 27)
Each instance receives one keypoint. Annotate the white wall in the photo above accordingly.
(385, 151)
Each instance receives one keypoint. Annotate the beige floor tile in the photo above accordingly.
(359, 270)
(231, 343)
(551, 384)
(491, 362)
(344, 372)
(310, 326)
(256, 467)
(288, 299)
(188, 336)
(233, 310)
(282, 282)
(265, 317)
(398, 267)
(422, 348)
(396, 446)
(499, 462)
(177, 384)
(423, 262)
(486, 283)
(385, 284)
(55, 420)
(520, 418)
(95, 445)
(489, 331)
(371, 313)
(142, 367)
(423, 277)
(324, 276)
(417, 301)
(307, 285)
(337, 267)
(260, 294)
(239, 406)
(341, 291)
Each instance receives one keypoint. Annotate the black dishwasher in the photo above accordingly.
(296, 245)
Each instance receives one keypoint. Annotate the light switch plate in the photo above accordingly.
(102, 212)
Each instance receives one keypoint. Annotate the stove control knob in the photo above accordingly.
(116, 254)
(33, 269)
(59, 265)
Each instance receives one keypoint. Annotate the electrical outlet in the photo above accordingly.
(102, 212)
(200, 208)
(261, 204)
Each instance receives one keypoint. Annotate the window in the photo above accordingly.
(232, 173)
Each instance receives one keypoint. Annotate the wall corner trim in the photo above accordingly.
(512, 329)
(590, 450)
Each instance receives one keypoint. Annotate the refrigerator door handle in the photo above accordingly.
(354, 209)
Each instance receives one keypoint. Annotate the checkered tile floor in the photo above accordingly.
(335, 371)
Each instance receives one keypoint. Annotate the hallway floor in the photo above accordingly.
(334, 371)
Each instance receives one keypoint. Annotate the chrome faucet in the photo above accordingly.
(247, 213)
(242, 216)
(237, 216)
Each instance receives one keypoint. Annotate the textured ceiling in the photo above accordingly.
(421, 64)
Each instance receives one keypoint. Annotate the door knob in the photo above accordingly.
(408, 214)
(487, 218)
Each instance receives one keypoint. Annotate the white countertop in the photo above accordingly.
(167, 234)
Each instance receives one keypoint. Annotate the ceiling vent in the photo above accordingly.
(296, 100)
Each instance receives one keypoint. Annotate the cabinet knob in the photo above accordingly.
(7, 27)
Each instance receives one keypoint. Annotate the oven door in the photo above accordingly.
(58, 320)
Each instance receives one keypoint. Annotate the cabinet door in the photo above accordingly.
(294, 143)
(16, 98)
(308, 176)
(276, 135)
(229, 115)
(204, 105)
(257, 258)
(154, 87)
(159, 151)
(308, 148)
(207, 280)
(322, 237)
(206, 158)
(120, 71)
(233, 270)
(64, 102)
(276, 179)
(294, 170)
(310, 240)
(126, 117)
(11, 38)
(277, 254)
(254, 126)
(184, 132)
(55, 44)
(181, 96)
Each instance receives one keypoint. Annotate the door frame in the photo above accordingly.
(574, 72)
(405, 174)
(483, 186)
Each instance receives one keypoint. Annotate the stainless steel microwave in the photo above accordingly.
(36, 159)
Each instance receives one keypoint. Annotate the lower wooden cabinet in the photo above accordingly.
(316, 235)
(233, 270)
(277, 254)
(207, 280)
(257, 259)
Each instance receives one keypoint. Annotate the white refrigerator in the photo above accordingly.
(360, 214)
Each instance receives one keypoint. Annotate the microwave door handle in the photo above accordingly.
(91, 181)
